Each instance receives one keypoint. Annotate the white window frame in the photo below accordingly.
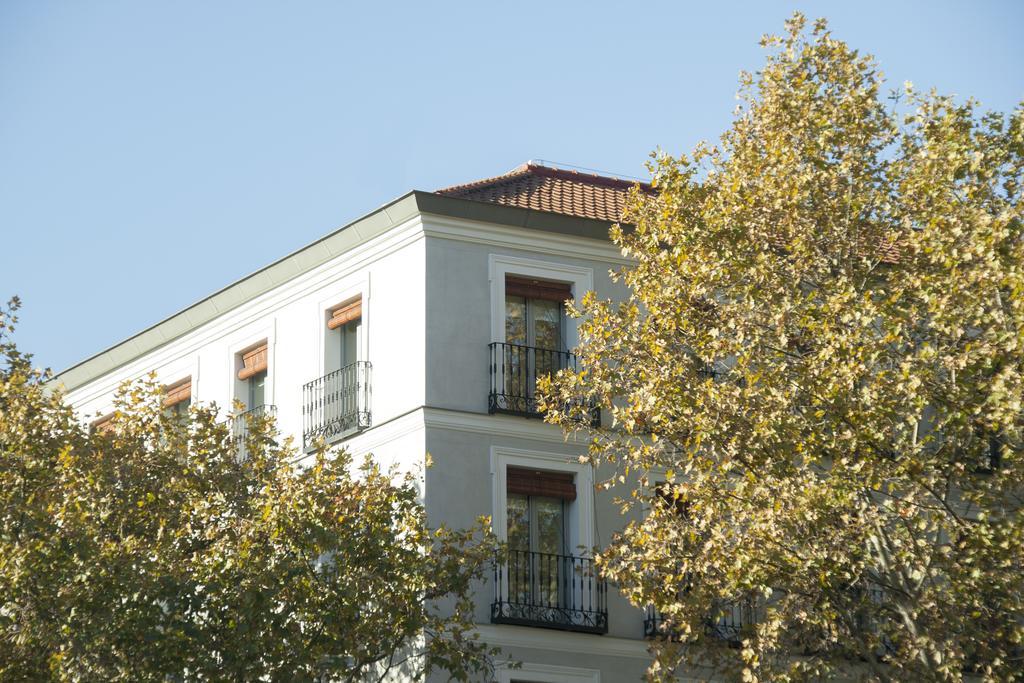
(546, 673)
(349, 290)
(580, 522)
(240, 342)
(177, 370)
(499, 265)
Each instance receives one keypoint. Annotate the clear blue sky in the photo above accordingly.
(153, 152)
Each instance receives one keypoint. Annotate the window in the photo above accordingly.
(519, 472)
(534, 312)
(531, 335)
(543, 509)
(178, 397)
(345, 324)
(536, 533)
(338, 403)
(103, 424)
(254, 376)
(534, 346)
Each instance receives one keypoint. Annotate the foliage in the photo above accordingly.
(821, 356)
(148, 551)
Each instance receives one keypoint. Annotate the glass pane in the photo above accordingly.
(518, 522)
(546, 317)
(349, 343)
(515, 320)
(550, 523)
(518, 548)
(179, 409)
(257, 390)
(548, 544)
(517, 383)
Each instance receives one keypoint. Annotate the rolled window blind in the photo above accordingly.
(532, 288)
(103, 424)
(527, 482)
(346, 312)
(254, 361)
(178, 392)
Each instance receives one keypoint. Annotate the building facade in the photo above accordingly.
(422, 328)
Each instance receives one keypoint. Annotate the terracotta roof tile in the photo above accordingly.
(542, 188)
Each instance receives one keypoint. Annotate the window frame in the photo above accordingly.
(334, 297)
(579, 514)
(238, 389)
(581, 280)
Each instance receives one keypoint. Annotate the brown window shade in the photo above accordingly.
(346, 312)
(539, 483)
(254, 361)
(103, 424)
(178, 392)
(516, 285)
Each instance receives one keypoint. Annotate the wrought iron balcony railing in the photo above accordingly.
(731, 619)
(336, 404)
(726, 623)
(515, 370)
(240, 425)
(550, 591)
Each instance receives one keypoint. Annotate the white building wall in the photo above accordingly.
(388, 271)
(429, 312)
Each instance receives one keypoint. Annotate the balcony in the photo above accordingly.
(549, 591)
(726, 624)
(240, 425)
(337, 404)
(515, 370)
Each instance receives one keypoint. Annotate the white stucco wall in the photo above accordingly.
(388, 272)
(429, 314)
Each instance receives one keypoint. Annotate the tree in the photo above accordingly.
(820, 370)
(147, 550)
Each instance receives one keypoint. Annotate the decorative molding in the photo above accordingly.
(546, 673)
(264, 305)
(550, 243)
(345, 288)
(498, 265)
(581, 512)
(240, 340)
(559, 641)
(380, 435)
(497, 425)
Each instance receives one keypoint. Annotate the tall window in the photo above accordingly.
(534, 312)
(178, 397)
(254, 376)
(345, 324)
(537, 511)
(534, 338)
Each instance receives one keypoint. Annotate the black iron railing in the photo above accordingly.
(729, 621)
(726, 623)
(515, 370)
(654, 624)
(336, 404)
(551, 591)
(240, 425)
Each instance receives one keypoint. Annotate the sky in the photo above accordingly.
(153, 152)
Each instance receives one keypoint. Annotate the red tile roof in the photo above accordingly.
(543, 188)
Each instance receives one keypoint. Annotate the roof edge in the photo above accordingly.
(69, 377)
(308, 257)
(530, 167)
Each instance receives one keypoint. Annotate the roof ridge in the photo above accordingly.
(531, 168)
(521, 169)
